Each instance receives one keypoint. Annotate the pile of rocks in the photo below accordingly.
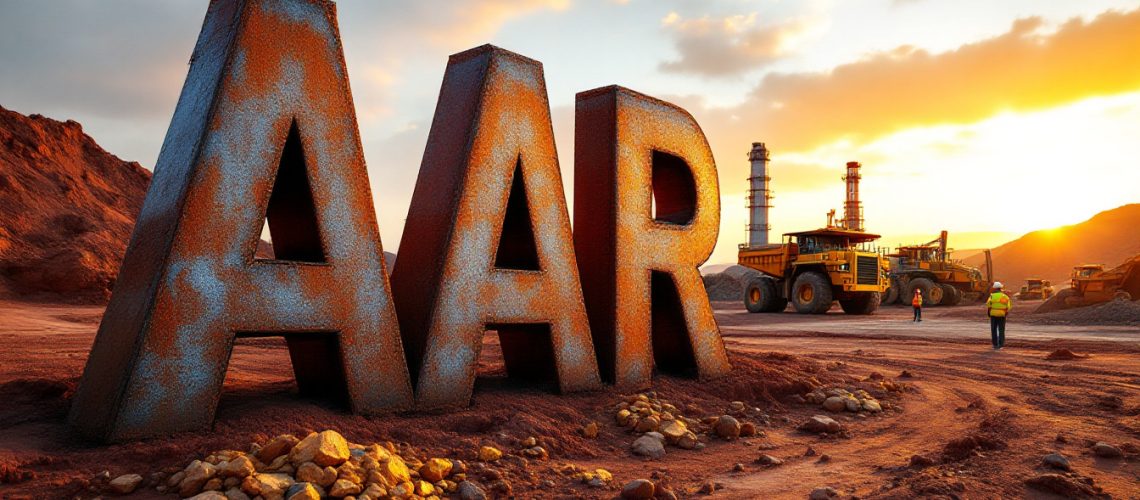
(324, 464)
(837, 400)
(660, 423)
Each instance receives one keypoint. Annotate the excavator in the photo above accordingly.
(1093, 284)
(928, 267)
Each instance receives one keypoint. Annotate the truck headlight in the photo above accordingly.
(844, 267)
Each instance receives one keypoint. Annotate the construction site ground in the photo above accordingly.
(980, 421)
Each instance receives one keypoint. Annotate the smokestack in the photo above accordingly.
(852, 207)
(759, 197)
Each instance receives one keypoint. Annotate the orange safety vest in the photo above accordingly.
(999, 304)
(916, 301)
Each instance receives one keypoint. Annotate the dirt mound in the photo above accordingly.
(1064, 354)
(67, 208)
(728, 284)
(1116, 312)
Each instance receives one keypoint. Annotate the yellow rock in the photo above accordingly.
(306, 491)
(435, 469)
(395, 471)
(489, 454)
(424, 488)
(590, 430)
(343, 488)
(322, 448)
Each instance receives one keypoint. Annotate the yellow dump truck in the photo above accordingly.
(812, 269)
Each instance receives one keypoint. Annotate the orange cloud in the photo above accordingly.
(1020, 70)
(729, 45)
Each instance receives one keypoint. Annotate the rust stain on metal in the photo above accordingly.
(467, 259)
(646, 214)
(264, 73)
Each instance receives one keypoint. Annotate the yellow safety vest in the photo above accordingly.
(999, 304)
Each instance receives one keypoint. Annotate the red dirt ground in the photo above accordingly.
(983, 419)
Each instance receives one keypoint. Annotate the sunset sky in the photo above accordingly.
(988, 119)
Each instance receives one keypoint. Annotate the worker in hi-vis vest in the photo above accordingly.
(998, 306)
(916, 302)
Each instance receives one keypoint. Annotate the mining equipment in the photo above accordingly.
(1035, 289)
(812, 269)
(1091, 284)
(942, 280)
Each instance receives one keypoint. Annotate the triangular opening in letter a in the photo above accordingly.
(291, 215)
(517, 249)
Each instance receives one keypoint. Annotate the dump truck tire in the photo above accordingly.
(760, 296)
(1122, 295)
(811, 293)
(950, 295)
(1057, 302)
(891, 295)
(927, 287)
(864, 303)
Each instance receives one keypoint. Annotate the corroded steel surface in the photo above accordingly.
(643, 291)
(492, 123)
(189, 281)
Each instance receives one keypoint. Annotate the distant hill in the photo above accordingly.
(67, 208)
(1107, 238)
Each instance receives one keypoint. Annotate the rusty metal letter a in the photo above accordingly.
(646, 214)
(264, 128)
(487, 244)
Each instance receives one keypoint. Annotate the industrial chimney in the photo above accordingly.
(852, 207)
(759, 197)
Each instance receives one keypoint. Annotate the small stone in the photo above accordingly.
(470, 491)
(489, 454)
(303, 491)
(768, 460)
(834, 404)
(395, 471)
(238, 467)
(601, 477)
(648, 446)
(1105, 450)
(820, 424)
(727, 427)
(214, 484)
(269, 485)
(852, 404)
(824, 458)
(236, 494)
(875, 376)
(435, 469)
(648, 424)
(126, 483)
(688, 441)
(197, 474)
(309, 472)
(343, 488)
(326, 448)
(736, 406)
(622, 417)
(738, 467)
(674, 430)
(747, 429)
(590, 430)
(502, 487)
(276, 447)
(208, 495)
(1056, 461)
(638, 489)
(529, 442)
(872, 406)
(823, 493)
(709, 487)
(906, 374)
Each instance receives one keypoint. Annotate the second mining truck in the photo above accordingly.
(929, 268)
(812, 269)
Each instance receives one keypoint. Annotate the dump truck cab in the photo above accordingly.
(812, 269)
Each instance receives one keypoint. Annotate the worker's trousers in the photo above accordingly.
(997, 331)
(917, 313)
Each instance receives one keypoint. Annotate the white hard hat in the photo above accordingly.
(998, 285)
